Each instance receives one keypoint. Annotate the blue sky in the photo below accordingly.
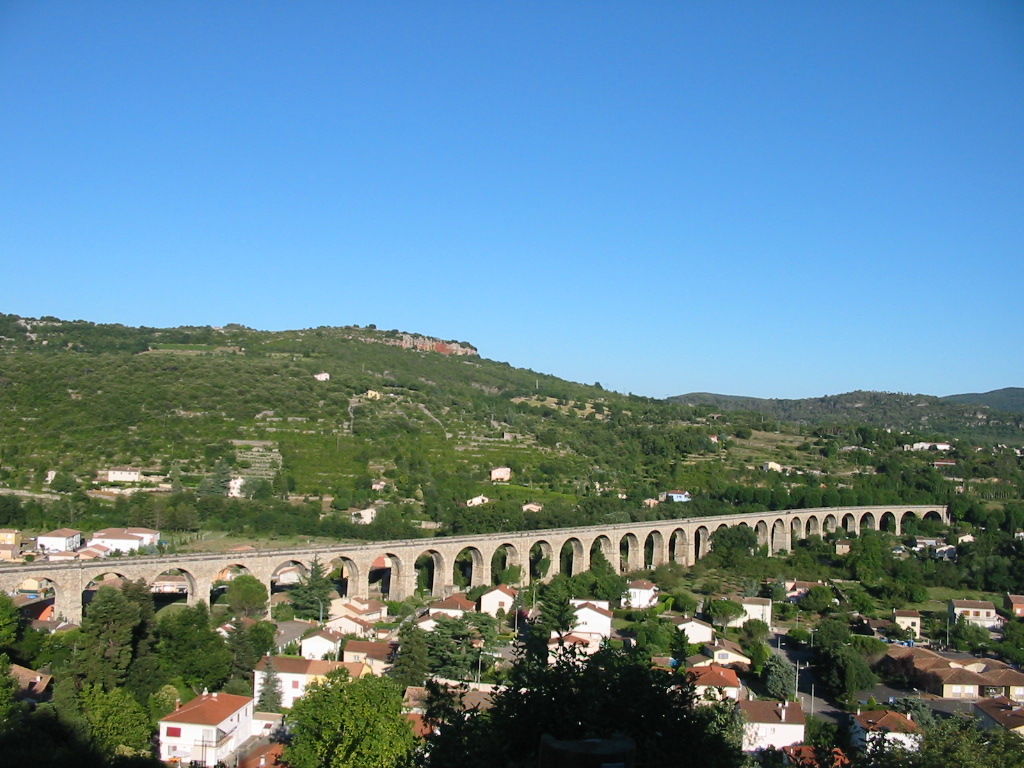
(776, 199)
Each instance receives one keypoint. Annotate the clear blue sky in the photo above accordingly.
(764, 198)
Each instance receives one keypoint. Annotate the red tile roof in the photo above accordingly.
(458, 601)
(973, 604)
(773, 712)
(886, 720)
(714, 676)
(642, 584)
(599, 609)
(375, 650)
(1006, 712)
(208, 709)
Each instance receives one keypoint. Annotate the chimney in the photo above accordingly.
(214, 694)
(177, 703)
(910, 716)
(858, 711)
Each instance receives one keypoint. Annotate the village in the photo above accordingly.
(757, 650)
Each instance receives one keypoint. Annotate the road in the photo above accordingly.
(798, 654)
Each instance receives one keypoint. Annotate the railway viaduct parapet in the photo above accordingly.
(627, 546)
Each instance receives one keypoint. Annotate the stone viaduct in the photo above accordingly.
(627, 546)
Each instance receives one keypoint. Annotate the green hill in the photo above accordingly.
(82, 397)
(959, 415)
(320, 421)
(1007, 400)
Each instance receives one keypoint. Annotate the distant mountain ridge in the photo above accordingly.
(999, 408)
(1007, 399)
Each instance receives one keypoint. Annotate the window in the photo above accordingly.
(173, 731)
(295, 683)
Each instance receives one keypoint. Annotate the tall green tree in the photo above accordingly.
(556, 614)
(247, 596)
(349, 724)
(108, 634)
(311, 597)
(270, 692)
(189, 648)
(118, 723)
(779, 677)
(548, 698)
(8, 687)
(724, 611)
(413, 660)
(9, 622)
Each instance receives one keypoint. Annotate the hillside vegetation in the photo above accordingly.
(994, 415)
(423, 420)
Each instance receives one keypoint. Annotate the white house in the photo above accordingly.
(499, 598)
(236, 486)
(725, 652)
(501, 474)
(641, 594)
(714, 682)
(979, 612)
(753, 608)
(347, 624)
(455, 606)
(125, 539)
(871, 727)
(364, 516)
(775, 724)
(60, 540)
(376, 655)
(771, 466)
(322, 644)
(477, 501)
(322, 376)
(907, 619)
(593, 617)
(206, 730)
(295, 675)
(124, 475)
(697, 631)
(367, 609)
(532, 506)
(678, 496)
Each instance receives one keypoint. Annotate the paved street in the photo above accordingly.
(815, 705)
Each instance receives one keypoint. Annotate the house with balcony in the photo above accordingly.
(981, 613)
(207, 730)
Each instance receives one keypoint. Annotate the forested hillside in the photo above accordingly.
(995, 415)
(323, 421)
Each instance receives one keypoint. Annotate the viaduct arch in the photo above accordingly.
(682, 540)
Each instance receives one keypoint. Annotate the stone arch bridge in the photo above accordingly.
(393, 564)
